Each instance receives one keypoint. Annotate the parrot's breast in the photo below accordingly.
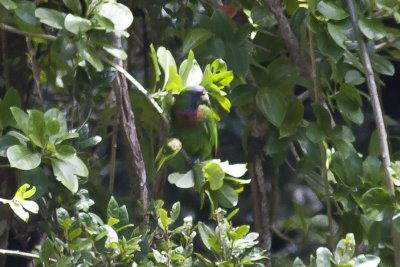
(187, 119)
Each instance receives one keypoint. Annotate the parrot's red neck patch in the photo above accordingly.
(188, 119)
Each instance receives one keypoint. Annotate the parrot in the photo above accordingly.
(194, 125)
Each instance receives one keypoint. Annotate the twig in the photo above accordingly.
(113, 154)
(35, 69)
(21, 254)
(324, 172)
(378, 117)
(281, 235)
(288, 36)
(28, 34)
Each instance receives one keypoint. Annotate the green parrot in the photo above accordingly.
(193, 123)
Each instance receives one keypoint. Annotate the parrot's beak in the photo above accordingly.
(204, 98)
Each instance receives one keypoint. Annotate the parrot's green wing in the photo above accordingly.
(210, 127)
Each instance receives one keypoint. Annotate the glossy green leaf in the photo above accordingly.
(293, 118)
(382, 65)
(175, 211)
(74, 6)
(36, 128)
(8, 4)
(185, 180)
(117, 13)
(324, 257)
(76, 24)
(22, 158)
(116, 52)
(190, 71)
(65, 174)
(235, 170)
(206, 235)
(50, 17)
(168, 65)
(11, 98)
(354, 77)
(272, 105)
(331, 11)
(215, 175)
(21, 118)
(374, 202)
(194, 38)
(341, 32)
(372, 29)
(349, 102)
(345, 249)
(328, 47)
(226, 196)
(6, 142)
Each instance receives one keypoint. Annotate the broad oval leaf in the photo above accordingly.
(372, 29)
(272, 105)
(50, 17)
(331, 11)
(22, 158)
(77, 24)
(215, 175)
(118, 14)
(374, 202)
(182, 180)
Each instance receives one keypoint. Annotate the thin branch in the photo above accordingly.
(378, 117)
(113, 154)
(21, 254)
(324, 172)
(288, 36)
(35, 69)
(12, 29)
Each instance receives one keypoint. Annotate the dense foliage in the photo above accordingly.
(294, 105)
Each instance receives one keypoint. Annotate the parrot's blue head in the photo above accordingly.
(194, 96)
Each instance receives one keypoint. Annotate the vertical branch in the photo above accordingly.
(258, 190)
(378, 117)
(35, 69)
(127, 118)
(113, 154)
(324, 172)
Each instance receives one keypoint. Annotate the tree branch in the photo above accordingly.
(12, 29)
(127, 117)
(378, 117)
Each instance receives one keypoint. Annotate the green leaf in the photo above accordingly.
(66, 169)
(6, 142)
(90, 55)
(117, 13)
(294, 116)
(235, 170)
(175, 211)
(222, 101)
(272, 105)
(341, 32)
(328, 47)
(50, 17)
(21, 118)
(36, 128)
(22, 158)
(37, 178)
(373, 29)
(194, 38)
(190, 71)
(349, 102)
(8, 4)
(215, 175)
(74, 6)
(206, 235)
(382, 65)
(226, 196)
(116, 52)
(185, 180)
(365, 261)
(354, 77)
(54, 114)
(331, 11)
(77, 24)
(324, 257)
(11, 98)
(374, 202)
(167, 63)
